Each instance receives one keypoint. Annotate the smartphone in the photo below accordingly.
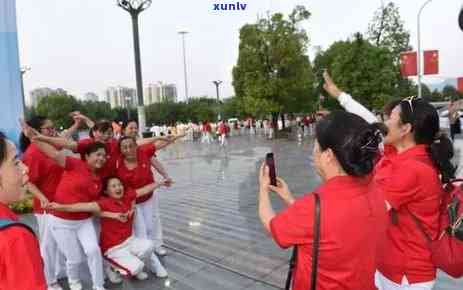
(270, 161)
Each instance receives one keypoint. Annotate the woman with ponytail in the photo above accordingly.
(410, 174)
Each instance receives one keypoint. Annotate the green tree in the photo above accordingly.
(57, 108)
(437, 96)
(364, 70)
(450, 92)
(273, 73)
(98, 110)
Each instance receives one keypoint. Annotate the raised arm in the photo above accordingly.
(346, 100)
(160, 168)
(51, 152)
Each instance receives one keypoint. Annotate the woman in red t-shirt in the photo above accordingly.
(80, 182)
(352, 215)
(134, 169)
(123, 251)
(21, 266)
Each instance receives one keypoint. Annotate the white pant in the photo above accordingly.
(127, 258)
(223, 140)
(147, 223)
(70, 236)
(383, 283)
(53, 259)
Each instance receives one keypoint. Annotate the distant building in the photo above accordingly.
(37, 94)
(91, 97)
(120, 97)
(160, 92)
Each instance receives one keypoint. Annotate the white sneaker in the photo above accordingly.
(161, 251)
(112, 275)
(156, 267)
(142, 276)
(75, 284)
(54, 286)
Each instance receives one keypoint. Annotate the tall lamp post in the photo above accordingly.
(183, 33)
(24, 70)
(419, 47)
(217, 84)
(134, 8)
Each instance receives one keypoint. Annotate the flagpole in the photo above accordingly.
(419, 48)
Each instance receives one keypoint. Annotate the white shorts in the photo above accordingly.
(127, 258)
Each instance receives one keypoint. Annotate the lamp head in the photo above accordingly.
(134, 5)
(460, 19)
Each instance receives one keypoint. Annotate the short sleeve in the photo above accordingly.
(22, 257)
(294, 225)
(148, 150)
(400, 185)
(104, 204)
(33, 164)
(72, 163)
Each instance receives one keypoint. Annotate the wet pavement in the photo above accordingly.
(211, 227)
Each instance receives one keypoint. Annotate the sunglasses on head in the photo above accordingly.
(410, 100)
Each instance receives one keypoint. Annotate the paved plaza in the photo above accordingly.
(212, 231)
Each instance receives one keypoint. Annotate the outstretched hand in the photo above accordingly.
(330, 86)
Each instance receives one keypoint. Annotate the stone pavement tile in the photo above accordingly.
(278, 276)
(261, 286)
(213, 278)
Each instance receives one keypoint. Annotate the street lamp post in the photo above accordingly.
(127, 104)
(24, 69)
(217, 84)
(134, 8)
(183, 33)
(419, 47)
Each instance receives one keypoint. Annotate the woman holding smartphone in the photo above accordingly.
(352, 215)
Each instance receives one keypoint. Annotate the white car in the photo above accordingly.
(444, 119)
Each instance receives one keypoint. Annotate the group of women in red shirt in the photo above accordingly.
(375, 178)
(109, 187)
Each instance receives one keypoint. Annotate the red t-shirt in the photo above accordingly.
(114, 232)
(352, 215)
(112, 154)
(222, 129)
(21, 266)
(44, 173)
(409, 181)
(78, 184)
(141, 175)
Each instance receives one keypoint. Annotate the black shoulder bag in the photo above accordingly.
(315, 249)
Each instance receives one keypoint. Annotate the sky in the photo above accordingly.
(86, 45)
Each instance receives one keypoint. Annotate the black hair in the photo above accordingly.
(354, 142)
(94, 147)
(101, 126)
(424, 120)
(36, 123)
(126, 123)
(2, 147)
(106, 181)
(387, 109)
(123, 138)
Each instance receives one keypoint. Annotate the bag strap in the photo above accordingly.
(315, 249)
(420, 226)
(7, 223)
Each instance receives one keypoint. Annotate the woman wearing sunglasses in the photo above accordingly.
(410, 174)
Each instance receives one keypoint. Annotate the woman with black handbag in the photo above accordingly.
(335, 229)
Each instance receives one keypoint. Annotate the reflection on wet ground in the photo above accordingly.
(210, 223)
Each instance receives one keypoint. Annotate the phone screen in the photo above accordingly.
(270, 161)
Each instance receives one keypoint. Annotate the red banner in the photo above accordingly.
(431, 62)
(408, 64)
(460, 84)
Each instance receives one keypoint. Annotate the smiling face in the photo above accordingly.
(97, 159)
(13, 176)
(103, 136)
(48, 129)
(129, 148)
(115, 189)
(131, 130)
(396, 129)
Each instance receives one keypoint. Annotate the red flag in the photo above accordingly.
(460, 84)
(408, 64)
(431, 62)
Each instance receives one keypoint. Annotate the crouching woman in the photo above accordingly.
(352, 216)
(124, 252)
